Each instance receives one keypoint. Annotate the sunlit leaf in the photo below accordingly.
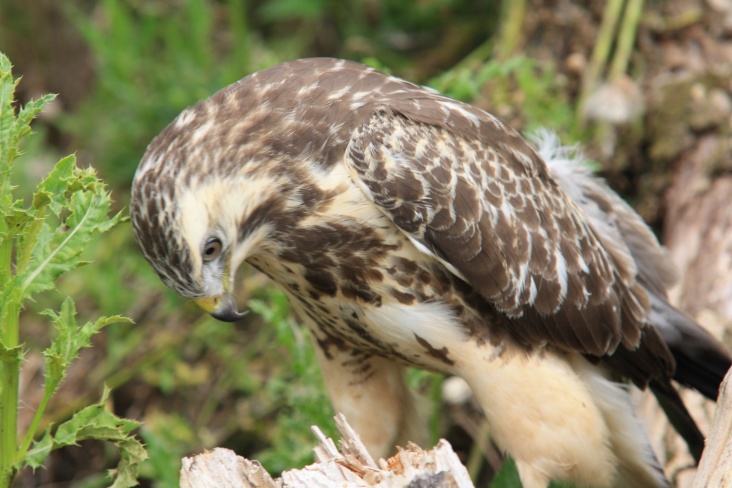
(59, 248)
(52, 190)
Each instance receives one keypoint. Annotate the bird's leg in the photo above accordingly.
(530, 477)
(370, 391)
(543, 415)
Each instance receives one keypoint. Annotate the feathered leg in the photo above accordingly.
(370, 391)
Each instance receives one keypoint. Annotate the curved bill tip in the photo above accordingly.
(222, 307)
(230, 315)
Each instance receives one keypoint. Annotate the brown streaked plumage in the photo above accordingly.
(409, 229)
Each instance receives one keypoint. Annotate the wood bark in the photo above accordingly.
(715, 468)
(698, 234)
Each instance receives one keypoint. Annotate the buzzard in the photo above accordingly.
(410, 229)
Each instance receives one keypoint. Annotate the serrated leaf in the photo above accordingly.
(39, 452)
(70, 339)
(41, 199)
(7, 113)
(16, 221)
(26, 243)
(13, 128)
(59, 249)
(53, 189)
(33, 108)
(94, 422)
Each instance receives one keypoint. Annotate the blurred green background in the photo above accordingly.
(123, 70)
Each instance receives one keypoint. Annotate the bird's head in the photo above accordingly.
(230, 177)
(201, 206)
(186, 236)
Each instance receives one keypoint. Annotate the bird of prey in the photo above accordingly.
(410, 229)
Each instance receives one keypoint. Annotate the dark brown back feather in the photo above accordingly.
(492, 213)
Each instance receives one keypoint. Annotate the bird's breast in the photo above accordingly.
(359, 283)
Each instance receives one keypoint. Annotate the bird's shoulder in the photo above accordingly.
(488, 210)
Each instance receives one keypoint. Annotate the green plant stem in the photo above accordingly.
(514, 12)
(626, 39)
(48, 391)
(478, 452)
(6, 254)
(435, 421)
(9, 373)
(601, 52)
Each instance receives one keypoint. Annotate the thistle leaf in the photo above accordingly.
(58, 249)
(70, 339)
(95, 422)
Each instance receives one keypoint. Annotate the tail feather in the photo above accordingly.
(673, 406)
(701, 362)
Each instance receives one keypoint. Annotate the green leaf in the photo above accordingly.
(70, 339)
(94, 422)
(52, 190)
(59, 248)
(27, 241)
(30, 110)
(39, 452)
(7, 113)
(16, 220)
(507, 477)
(12, 128)
(132, 453)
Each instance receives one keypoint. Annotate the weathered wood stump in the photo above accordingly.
(715, 468)
(349, 466)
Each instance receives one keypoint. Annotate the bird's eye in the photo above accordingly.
(212, 249)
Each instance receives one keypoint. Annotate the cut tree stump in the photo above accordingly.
(715, 467)
(351, 466)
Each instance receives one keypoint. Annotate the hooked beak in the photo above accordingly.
(221, 307)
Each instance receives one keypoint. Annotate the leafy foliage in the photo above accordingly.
(38, 244)
(508, 477)
(515, 82)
